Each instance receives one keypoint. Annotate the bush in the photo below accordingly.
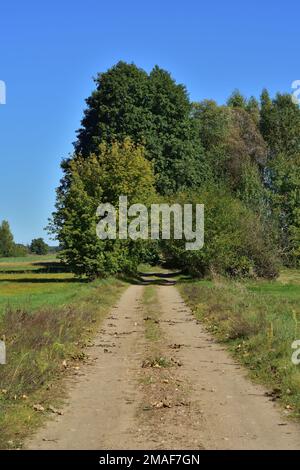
(19, 250)
(236, 242)
(120, 169)
(39, 247)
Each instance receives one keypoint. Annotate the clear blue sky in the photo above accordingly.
(50, 50)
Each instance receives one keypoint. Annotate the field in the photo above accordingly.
(34, 282)
(29, 263)
(46, 317)
(259, 321)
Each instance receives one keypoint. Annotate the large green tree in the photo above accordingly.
(234, 147)
(280, 126)
(153, 110)
(117, 169)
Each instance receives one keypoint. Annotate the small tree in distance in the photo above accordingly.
(6, 240)
(39, 246)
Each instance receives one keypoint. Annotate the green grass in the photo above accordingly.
(28, 263)
(27, 283)
(148, 268)
(46, 318)
(258, 320)
(33, 291)
(290, 276)
(28, 259)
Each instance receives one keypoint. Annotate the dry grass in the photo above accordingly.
(259, 322)
(44, 337)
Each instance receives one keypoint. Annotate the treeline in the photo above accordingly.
(8, 248)
(141, 136)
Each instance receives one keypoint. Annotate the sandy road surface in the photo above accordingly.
(111, 406)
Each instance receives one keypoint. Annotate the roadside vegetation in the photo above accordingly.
(143, 138)
(46, 320)
(258, 321)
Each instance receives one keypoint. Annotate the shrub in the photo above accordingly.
(236, 242)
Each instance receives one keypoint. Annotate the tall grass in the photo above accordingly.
(259, 322)
(41, 346)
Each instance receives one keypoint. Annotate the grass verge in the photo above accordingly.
(42, 346)
(259, 322)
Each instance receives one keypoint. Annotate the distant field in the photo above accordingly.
(32, 282)
(258, 320)
(28, 263)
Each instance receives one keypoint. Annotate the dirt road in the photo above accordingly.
(181, 390)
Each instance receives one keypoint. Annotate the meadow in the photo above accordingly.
(36, 281)
(258, 321)
(47, 317)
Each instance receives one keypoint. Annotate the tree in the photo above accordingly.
(233, 145)
(236, 243)
(280, 125)
(253, 109)
(38, 246)
(266, 110)
(153, 111)
(212, 124)
(20, 250)
(237, 100)
(118, 169)
(6, 240)
(140, 134)
(117, 108)
(284, 183)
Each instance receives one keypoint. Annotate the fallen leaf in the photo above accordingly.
(54, 410)
(38, 407)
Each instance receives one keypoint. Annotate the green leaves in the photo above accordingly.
(6, 240)
(39, 247)
(151, 110)
(141, 135)
(117, 169)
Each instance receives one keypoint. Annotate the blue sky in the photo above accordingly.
(49, 52)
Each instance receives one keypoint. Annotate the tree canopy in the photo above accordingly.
(39, 246)
(141, 136)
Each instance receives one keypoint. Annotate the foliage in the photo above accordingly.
(235, 243)
(285, 186)
(153, 111)
(249, 148)
(117, 169)
(280, 125)
(6, 240)
(39, 246)
(237, 100)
